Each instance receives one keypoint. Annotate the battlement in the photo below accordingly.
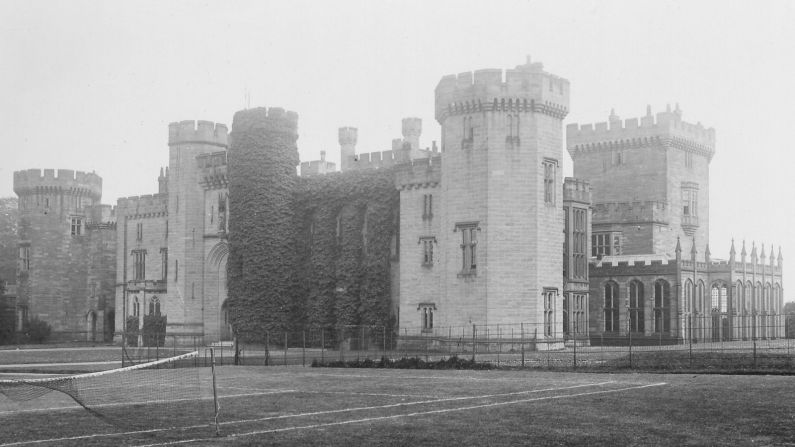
(65, 181)
(151, 205)
(631, 260)
(631, 212)
(348, 135)
(272, 119)
(665, 128)
(212, 170)
(527, 88)
(576, 190)
(419, 173)
(199, 132)
(376, 160)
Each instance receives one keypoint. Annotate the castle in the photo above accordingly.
(489, 233)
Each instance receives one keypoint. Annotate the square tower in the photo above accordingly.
(650, 180)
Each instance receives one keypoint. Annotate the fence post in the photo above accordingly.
(474, 341)
(303, 348)
(267, 346)
(450, 340)
(499, 344)
(285, 348)
(754, 352)
(575, 349)
(341, 342)
(690, 338)
(522, 344)
(630, 347)
(322, 345)
(383, 342)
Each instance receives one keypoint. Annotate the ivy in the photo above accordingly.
(304, 251)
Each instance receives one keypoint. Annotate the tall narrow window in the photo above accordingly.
(611, 307)
(222, 212)
(688, 296)
(164, 263)
(77, 226)
(24, 258)
(154, 306)
(550, 168)
(688, 159)
(139, 265)
(579, 244)
(139, 231)
(636, 311)
(427, 250)
(549, 297)
(136, 308)
(662, 306)
(469, 243)
(427, 208)
(468, 134)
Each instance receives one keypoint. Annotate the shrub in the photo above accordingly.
(132, 331)
(154, 330)
(38, 330)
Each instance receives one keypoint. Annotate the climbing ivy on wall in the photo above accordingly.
(348, 224)
(304, 252)
(261, 267)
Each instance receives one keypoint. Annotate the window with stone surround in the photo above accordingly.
(689, 160)
(139, 265)
(579, 244)
(164, 263)
(24, 258)
(662, 306)
(154, 306)
(689, 199)
(636, 307)
(426, 315)
(550, 176)
(139, 231)
(468, 133)
(611, 307)
(427, 250)
(606, 244)
(469, 242)
(136, 308)
(76, 226)
(427, 206)
(512, 124)
(549, 295)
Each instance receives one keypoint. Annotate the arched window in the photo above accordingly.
(688, 304)
(136, 310)
(748, 298)
(662, 306)
(154, 306)
(700, 297)
(636, 315)
(611, 304)
(768, 300)
(737, 300)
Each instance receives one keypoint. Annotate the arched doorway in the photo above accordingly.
(91, 326)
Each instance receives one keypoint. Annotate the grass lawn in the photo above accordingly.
(330, 406)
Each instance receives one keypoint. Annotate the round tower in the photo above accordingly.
(502, 181)
(186, 220)
(262, 181)
(347, 139)
(54, 208)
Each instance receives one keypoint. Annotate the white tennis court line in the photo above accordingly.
(404, 415)
(298, 415)
(126, 404)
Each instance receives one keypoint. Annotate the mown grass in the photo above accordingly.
(427, 407)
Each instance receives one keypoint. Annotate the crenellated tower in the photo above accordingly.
(347, 140)
(63, 241)
(501, 227)
(187, 141)
(650, 178)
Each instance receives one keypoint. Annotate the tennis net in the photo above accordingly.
(166, 393)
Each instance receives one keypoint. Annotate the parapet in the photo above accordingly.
(272, 119)
(152, 205)
(65, 181)
(348, 136)
(665, 128)
(527, 88)
(212, 170)
(376, 160)
(419, 173)
(576, 190)
(631, 212)
(197, 132)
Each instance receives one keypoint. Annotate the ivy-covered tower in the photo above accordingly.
(261, 269)
(501, 219)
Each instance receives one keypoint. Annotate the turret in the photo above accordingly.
(412, 128)
(200, 132)
(49, 186)
(347, 139)
(162, 181)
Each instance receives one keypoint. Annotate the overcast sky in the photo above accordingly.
(92, 85)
